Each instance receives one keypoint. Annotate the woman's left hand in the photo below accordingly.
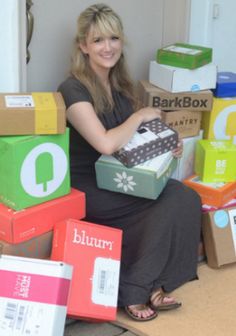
(177, 152)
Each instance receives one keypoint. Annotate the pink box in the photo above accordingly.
(22, 225)
(33, 296)
(94, 251)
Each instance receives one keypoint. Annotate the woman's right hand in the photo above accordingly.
(149, 113)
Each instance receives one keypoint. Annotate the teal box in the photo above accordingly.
(144, 180)
(33, 169)
(215, 160)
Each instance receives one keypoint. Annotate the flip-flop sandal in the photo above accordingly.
(140, 319)
(159, 296)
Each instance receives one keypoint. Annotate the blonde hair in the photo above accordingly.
(104, 20)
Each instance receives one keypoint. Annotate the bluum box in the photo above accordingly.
(94, 250)
(220, 123)
(184, 55)
(216, 193)
(19, 226)
(215, 160)
(219, 234)
(32, 113)
(33, 296)
(144, 180)
(150, 140)
(176, 79)
(152, 95)
(225, 84)
(33, 169)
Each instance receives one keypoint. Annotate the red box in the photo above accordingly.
(94, 251)
(19, 226)
(216, 194)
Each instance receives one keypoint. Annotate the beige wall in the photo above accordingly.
(148, 25)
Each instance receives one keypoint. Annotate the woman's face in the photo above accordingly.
(103, 51)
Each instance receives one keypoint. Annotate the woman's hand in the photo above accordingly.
(177, 152)
(149, 113)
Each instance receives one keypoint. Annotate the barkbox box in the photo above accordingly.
(151, 95)
(225, 84)
(33, 296)
(176, 79)
(144, 180)
(215, 160)
(219, 234)
(32, 113)
(150, 140)
(38, 247)
(94, 251)
(220, 123)
(215, 194)
(184, 55)
(22, 225)
(33, 169)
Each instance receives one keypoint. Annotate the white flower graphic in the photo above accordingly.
(124, 181)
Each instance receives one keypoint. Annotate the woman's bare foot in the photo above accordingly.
(160, 301)
(141, 312)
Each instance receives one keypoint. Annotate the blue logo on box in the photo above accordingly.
(221, 219)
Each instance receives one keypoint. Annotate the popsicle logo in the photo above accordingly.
(221, 121)
(43, 170)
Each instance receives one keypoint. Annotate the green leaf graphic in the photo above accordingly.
(44, 169)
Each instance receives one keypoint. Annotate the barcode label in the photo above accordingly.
(11, 310)
(105, 282)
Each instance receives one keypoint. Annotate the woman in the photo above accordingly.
(160, 237)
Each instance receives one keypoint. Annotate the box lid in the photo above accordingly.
(225, 84)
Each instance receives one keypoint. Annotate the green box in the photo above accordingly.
(184, 55)
(33, 169)
(215, 160)
(144, 180)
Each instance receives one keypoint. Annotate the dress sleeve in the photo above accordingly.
(73, 91)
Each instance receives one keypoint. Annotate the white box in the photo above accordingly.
(33, 296)
(175, 79)
(185, 166)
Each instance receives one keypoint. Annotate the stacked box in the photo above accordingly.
(215, 194)
(144, 180)
(33, 169)
(176, 79)
(32, 113)
(184, 55)
(150, 140)
(225, 84)
(220, 124)
(215, 161)
(19, 226)
(219, 235)
(94, 251)
(33, 296)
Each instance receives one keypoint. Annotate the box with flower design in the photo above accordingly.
(145, 180)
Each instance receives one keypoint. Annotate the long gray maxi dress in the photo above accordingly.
(160, 237)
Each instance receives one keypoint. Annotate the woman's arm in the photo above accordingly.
(84, 119)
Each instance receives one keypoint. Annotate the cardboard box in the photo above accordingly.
(33, 296)
(152, 95)
(94, 251)
(19, 226)
(215, 194)
(184, 55)
(144, 180)
(32, 113)
(33, 169)
(220, 123)
(186, 123)
(185, 166)
(219, 234)
(175, 79)
(38, 247)
(150, 140)
(215, 161)
(225, 84)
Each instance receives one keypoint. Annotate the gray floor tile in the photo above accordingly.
(81, 328)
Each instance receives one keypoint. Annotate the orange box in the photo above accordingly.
(22, 225)
(94, 251)
(216, 194)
